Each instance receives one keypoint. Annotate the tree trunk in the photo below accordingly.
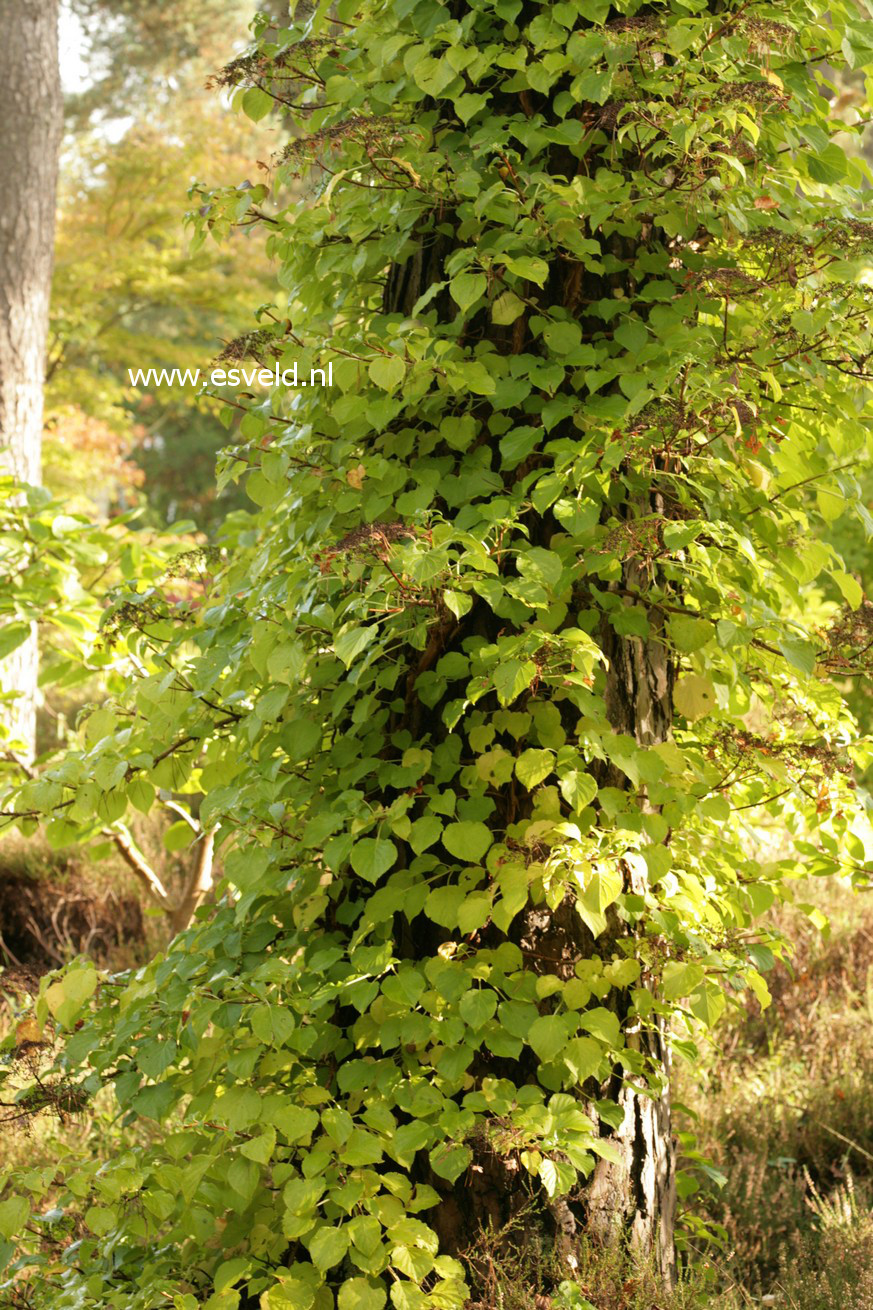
(30, 135)
(630, 1204)
(636, 1198)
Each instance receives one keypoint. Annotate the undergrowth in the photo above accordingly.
(784, 1108)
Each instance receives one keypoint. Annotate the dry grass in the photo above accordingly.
(785, 1109)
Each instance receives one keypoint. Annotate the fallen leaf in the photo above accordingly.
(28, 1032)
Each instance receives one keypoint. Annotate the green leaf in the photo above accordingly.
(562, 338)
(101, 1219)
(467, 840)
(272, 1024)
(708, 1004)
(433, 76)
(67, 998)
(387, 372)
(178, 836)
(801, 654)
(506, 308)
(578, 789)
(542, 565)
(530, 267)
(64, 524)
(290, 1294)
(286, 662)
(592, 86)
(141, 794)
(424, 832)
(679, 979)
(478, 1006)
(532, 766)
(260, 1149)
(583, 1056)
(262, 491)
(602, 1024)
(327, 1246)
(458, 602)
(352, 641)
(361, 1294)
(243, 1176)
(577, 516)
(257, 103)
(599, 890)
(294, 1122)
(511, 678)
(13, 635)
(474, 376)
(467, 106)
(372, 856)
(557, 1177)
(632, 334)
(411, 1138)
(450, 1160)
(689, 634)
(14, 1214)
(548, 1037)
(467, 288)
(229, 1272)
(759, 987)
(365, 1232)
(694, 696)
(852, 591)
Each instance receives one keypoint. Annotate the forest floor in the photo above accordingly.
(780, 1110)
(784, 1108)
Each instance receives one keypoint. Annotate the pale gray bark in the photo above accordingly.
(199, 882)
(30, 137)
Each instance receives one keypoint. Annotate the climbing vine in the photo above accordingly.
(531, 623)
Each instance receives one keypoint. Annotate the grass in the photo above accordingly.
(784, 1107)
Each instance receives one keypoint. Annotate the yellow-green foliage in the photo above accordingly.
(590, 276)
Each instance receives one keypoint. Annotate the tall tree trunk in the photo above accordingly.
(30, 136)
(630, 1202)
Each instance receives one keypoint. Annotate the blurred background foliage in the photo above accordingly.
(141, 129)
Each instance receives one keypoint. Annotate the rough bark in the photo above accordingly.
(636, 1199)
(30, 136)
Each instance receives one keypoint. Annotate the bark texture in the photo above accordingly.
(30, 136)
(636, 1198)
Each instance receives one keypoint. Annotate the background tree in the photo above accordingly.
(30, 135)
(127, 296)
(140, 131)
(142, 55)
(487, 689)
